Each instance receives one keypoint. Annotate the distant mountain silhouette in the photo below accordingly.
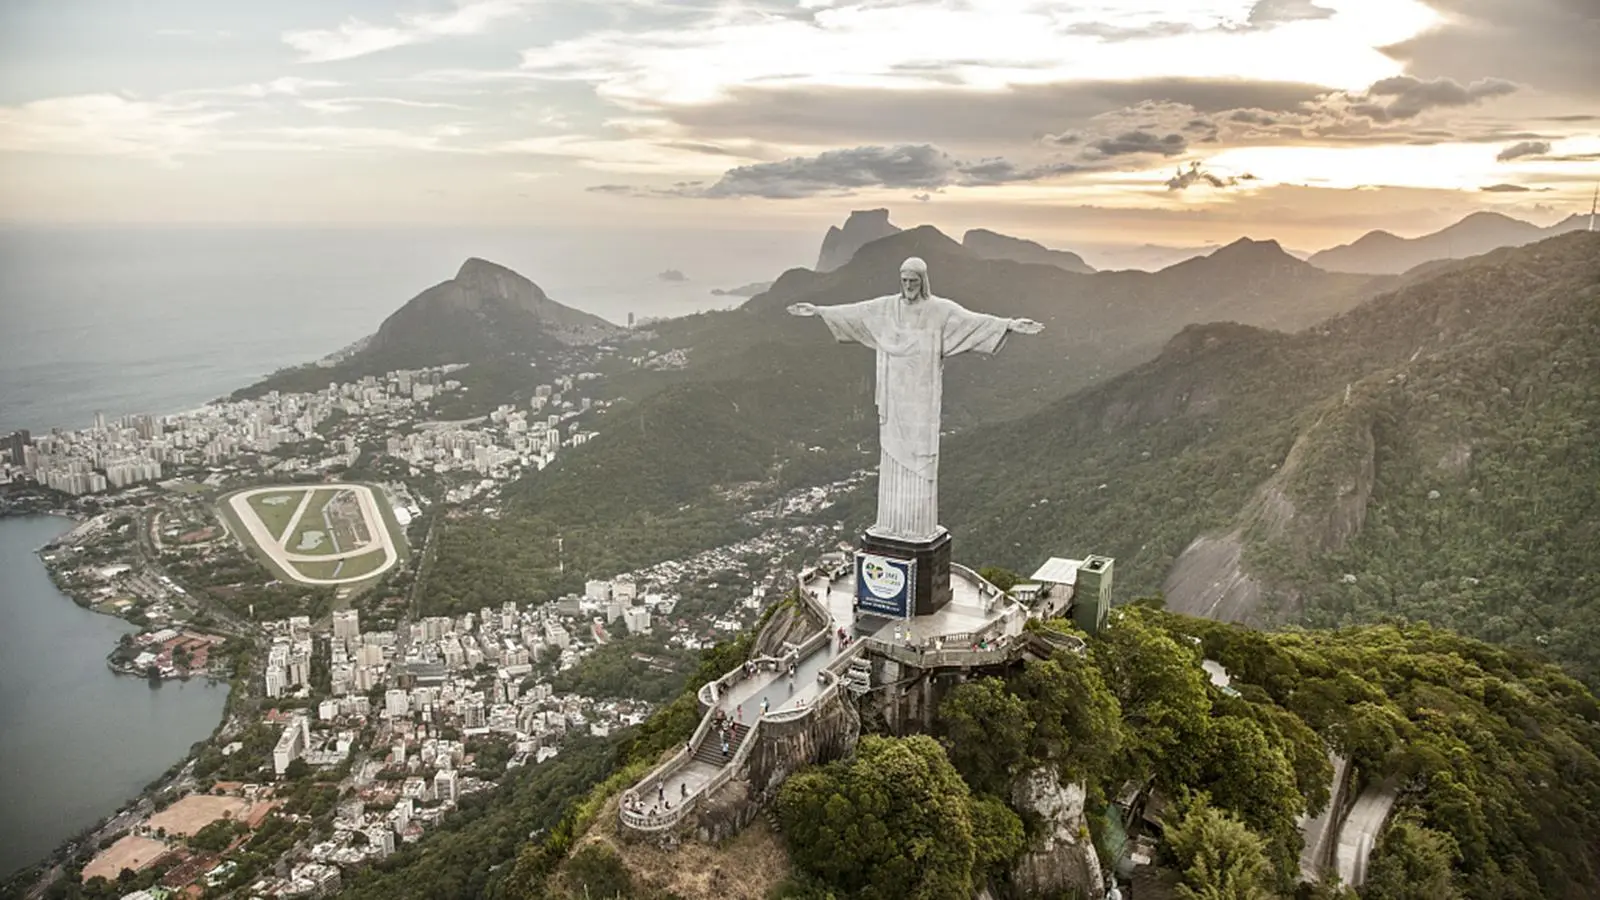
(763, 389)
(743, 290)
(1382, 253)
(862, 227)
(993, 245)
(487, 314)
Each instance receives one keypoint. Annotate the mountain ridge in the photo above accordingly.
(1381, 252)
(994, 245)
(1263, 467)
(486, 315)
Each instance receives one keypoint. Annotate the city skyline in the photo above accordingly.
(1307, 121)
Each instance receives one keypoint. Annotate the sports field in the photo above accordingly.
(129, 852)
(330, 534)
(276, 509)
(196, 811)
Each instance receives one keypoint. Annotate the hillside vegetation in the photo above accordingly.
(769, 399)
(1433, 454)
(1495, 753)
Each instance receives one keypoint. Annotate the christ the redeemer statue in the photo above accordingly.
(912, 332)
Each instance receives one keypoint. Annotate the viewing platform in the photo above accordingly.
(980, 626)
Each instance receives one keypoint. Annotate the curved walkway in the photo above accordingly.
(975, 628)
(670, 792)
(284, 560)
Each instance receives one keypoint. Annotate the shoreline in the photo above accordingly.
(86, 841)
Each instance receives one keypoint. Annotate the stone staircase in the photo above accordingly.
(710, 749)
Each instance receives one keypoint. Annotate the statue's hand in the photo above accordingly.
(1026, 326)
(802, 309)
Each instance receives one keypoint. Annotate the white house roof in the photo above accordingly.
(1058, 571)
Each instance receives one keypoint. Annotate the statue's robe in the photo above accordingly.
(911, 339)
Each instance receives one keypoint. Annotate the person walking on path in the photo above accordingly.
(763, 706)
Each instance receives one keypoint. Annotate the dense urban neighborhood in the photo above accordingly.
(355, 722)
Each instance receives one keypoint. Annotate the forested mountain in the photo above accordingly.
(486, 316)
(773, 399)
(1433, 454)
(1494, 753)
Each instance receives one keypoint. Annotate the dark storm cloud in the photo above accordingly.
(1548, 44)
(919, 166)
(1406, 97)
(1524, 148)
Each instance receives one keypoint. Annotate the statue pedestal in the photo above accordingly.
(931, 588)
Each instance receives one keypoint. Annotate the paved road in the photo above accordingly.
(1320, 832)
(1361, 829)
(275, 549)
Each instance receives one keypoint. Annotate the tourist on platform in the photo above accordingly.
(661, 792)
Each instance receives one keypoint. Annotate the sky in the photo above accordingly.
(1180, 122)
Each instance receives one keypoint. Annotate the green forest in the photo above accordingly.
(1496, 755)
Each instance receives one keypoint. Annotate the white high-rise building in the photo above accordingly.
(396, 705)
(444, 785)
(346, 626)
(382, 839)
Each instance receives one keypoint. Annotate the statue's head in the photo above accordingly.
(914, 280)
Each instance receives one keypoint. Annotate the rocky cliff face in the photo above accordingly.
(1062, 859)
(863, 227)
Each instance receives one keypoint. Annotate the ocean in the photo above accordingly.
(162, 319)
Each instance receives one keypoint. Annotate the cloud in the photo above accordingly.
(110, 124)
(831, 116)
(1523, 148)
(287, 86)
(1195, 176)
(1548, 44)
(343, 105)
(919, 166)
(1139, 142)
(1264, 15)
(1406, 97)
(1131, 32)
(922, 198)
(354, 38)
(1272, 13)
(1504, 188)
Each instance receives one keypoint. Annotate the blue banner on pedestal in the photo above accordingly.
(885, 586)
